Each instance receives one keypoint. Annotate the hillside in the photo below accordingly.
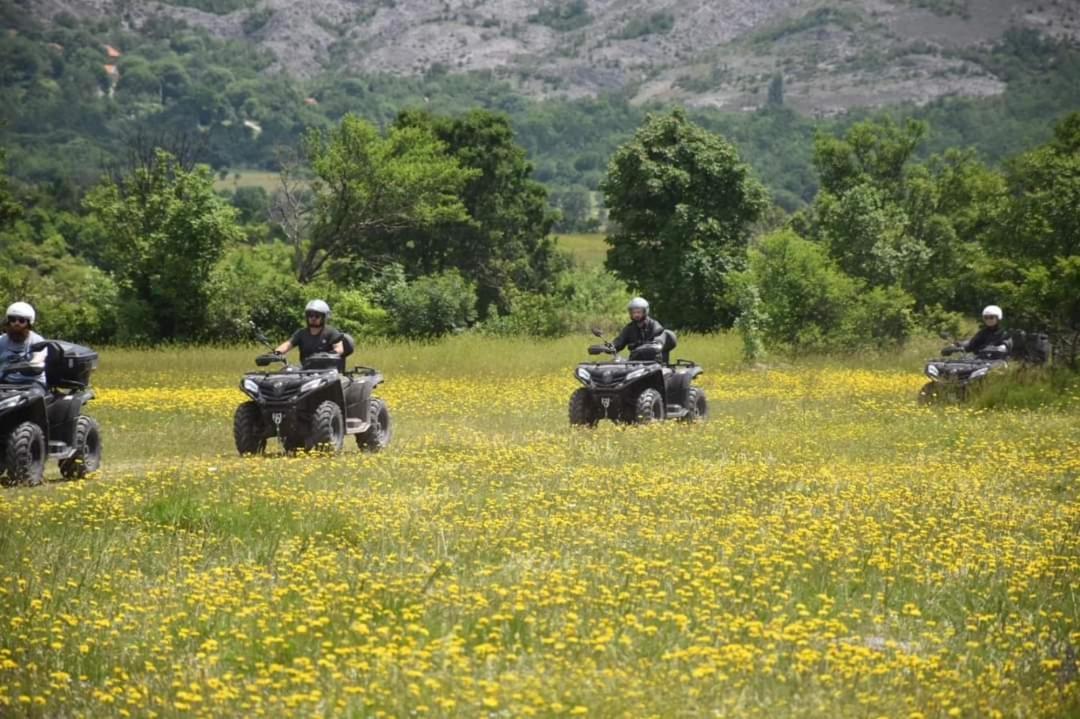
(832, 56)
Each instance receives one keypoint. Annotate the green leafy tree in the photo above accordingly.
(433, 305)
(806, 300)
(893, 222)
(503, 240)
(1033, 268)
(870, 152)
(74, 300)
(166, 228)
(683, 204)
(367, 187)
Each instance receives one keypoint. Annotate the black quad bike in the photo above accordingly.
(644, 389)
(36, 426)
(954, 375)
(311, 407)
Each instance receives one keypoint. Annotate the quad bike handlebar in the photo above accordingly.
(267, 359)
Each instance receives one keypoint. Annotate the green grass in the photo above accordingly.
(822, 546)
(589, 249)
(269, 181)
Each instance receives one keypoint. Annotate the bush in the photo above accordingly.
(257, 285)
(583, 298)
(74, 300)
(432, 305)
(808, 302)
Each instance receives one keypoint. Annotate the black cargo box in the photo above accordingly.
(69, 365)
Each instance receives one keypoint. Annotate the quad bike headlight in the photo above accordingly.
(583, 375)
(12, 402)
(635, 374)
(312, 384)
(981, 372)
(251, 387)
(932, 370)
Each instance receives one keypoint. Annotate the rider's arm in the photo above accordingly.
(37, 359)
(625, 338)
(288, 344)
(976, 343)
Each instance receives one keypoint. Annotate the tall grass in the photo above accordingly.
(823, 546)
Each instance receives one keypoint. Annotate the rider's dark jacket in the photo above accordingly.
(985, 337)
(634, 335)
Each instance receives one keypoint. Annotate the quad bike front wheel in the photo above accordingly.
(581, 409)
(327, 429)
(697, 406)
(649, 407)
(87, 457)
(248, 430)
(377, 436)
(25, 454)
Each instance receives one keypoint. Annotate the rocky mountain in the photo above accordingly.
(824, 57)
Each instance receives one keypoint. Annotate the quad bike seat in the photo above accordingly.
(649, 353)
(67, 365)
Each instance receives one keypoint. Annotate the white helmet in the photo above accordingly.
(22, 309)
(318, 306)
(638, 303)
(993, 311)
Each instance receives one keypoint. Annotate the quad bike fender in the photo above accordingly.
(654, 381)
(63, 415)
(33, 411)
(332, 391)
(358, 396)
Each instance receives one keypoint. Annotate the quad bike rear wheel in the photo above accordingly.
(248, 430)
(649, 407)
(87, 457)
(697, 406)
(327, 429)
(377, 436)
(25, 454)
(582, 413)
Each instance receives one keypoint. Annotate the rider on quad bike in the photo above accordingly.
(317, 337)
(314, 405)
(642, 329)
(16, 344)
(645, 388)
(991, 334)
(44, 386)
(989, 350)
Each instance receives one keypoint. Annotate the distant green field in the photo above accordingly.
(249, 178)
(588, 249)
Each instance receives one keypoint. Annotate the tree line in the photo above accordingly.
(437, 224)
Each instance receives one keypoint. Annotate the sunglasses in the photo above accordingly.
(18, 320)
(313, 315)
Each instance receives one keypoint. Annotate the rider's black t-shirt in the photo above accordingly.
(310, 344)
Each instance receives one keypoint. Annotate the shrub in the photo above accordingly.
(256, 285)
(432, 305)
(583, 298)
(74, 300)
(808, 302)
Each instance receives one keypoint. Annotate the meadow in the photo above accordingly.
(822, 546)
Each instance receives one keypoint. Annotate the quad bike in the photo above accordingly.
(311, 407)
(644, 389)
(36, 426)
(955, 378)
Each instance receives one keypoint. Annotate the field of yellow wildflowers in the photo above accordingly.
(823, 547)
